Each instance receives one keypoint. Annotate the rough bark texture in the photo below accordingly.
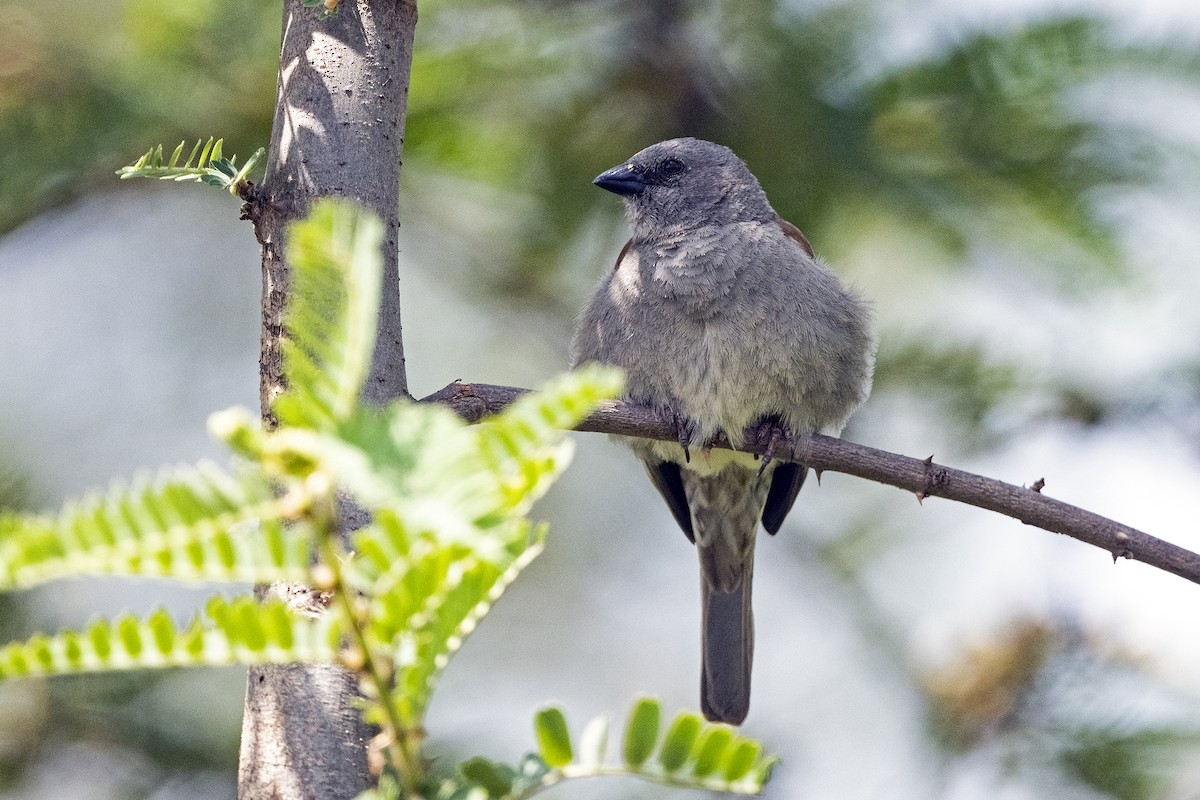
(339, 131)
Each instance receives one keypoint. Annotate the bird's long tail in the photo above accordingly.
(728, 651)
(725, 513)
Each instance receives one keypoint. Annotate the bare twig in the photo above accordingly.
(923, 477)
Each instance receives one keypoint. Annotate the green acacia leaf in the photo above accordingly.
(130, 636)
(175, 155)
(523, 444)
(680, 739)
(711, 749)
(162, 631)
(192, 155)
(553, 738)
(741, 758)
(726, 762)
(763, 770)
(337, 265)
(205, 152)
(495, 779)
(72, 648)
(641, 732)
(211, 167)
(448, 532)
(229, 632)
(191, 523)
(224, 166)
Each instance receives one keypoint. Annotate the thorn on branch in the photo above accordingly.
(1124, 551)
(935, 478)
(921, 495)
(1038, 485)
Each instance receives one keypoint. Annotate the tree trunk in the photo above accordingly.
(339, 130)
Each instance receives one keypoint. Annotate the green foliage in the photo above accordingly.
(1126, 765)
(448, 532)
(82, 81)
(680, 741)
(331, 318)
(241, 631)
(553, 738)
(204, 164)
(964, 380)
(642, 731)
(987, 143)
(985, 139)
(192, 523)
(691, 754)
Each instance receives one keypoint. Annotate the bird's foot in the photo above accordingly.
(685, 432)
(770, 432)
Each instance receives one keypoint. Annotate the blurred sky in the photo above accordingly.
(131, 314)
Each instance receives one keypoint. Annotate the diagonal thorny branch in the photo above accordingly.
(473, 401)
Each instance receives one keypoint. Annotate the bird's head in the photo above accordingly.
(683, 183)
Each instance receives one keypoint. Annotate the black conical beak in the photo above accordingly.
(623, 180)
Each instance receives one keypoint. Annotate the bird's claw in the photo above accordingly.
(685, 431)
(771, 428)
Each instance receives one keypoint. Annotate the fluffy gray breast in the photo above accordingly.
(730, 325)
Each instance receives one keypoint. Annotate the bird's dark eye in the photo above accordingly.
(672, 166)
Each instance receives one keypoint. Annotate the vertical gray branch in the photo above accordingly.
(338, 131)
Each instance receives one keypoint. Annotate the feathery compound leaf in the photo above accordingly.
(241, 631)
(195, 523)
(463, 483)
(425, 609)
(524, 445)
(730, 763)
(211, 167)
(428, 475)
(336, 266)
(447, 502)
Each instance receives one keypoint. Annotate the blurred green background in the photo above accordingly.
(1012, 184)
